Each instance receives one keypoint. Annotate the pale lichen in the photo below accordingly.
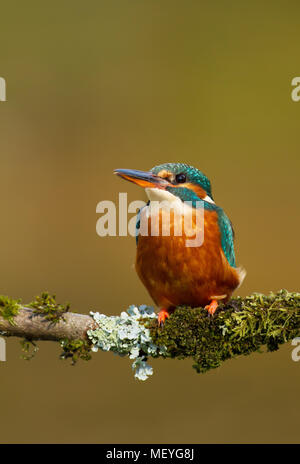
(127, 335)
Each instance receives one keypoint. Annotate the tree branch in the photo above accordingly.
(242, 326)
(33, 326)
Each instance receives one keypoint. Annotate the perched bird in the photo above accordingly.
(173, 273)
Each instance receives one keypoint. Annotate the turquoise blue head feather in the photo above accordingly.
(184, 176)
(188, 184)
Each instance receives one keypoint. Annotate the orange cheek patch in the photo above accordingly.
(199, 191)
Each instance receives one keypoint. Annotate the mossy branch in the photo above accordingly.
(39, 321)
(240, 327)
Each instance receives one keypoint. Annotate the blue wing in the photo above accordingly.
(227, 237)
(227, 232)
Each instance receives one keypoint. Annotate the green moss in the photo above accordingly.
(47, 306)
(9, 308)
(76, 349)
(29, 347)
(240, 327)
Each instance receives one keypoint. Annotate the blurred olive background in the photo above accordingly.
(98, 85)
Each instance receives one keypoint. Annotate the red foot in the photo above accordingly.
(211, 308)
(162, 316)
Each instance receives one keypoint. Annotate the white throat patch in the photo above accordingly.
(168, 200)
(209, 200)
(156, 194)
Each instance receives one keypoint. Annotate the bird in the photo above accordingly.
(173, 273)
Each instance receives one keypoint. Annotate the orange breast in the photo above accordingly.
(175, 274)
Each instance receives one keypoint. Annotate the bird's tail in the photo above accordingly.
(241, 272)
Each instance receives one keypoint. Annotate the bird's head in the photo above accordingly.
(169, 180)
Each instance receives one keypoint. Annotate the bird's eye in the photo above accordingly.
(180, 178)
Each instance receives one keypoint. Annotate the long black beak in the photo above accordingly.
(142, 178)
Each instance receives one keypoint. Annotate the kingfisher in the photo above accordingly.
(173, 273)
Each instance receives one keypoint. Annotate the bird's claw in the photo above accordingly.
(162, 316)
(212, 307)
